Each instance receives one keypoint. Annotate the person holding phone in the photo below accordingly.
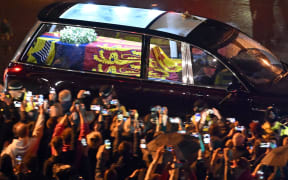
(162, 119)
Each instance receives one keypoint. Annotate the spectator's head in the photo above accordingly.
(21, 130)
(56, 143)
(238, 139)
(64, 96)
(52, 97)
(124, 148)
(67, 136)
(16, 89)
(106, 93)
(6, 165)
(94, 139)
(285, 141)
(255, 128)
(271, 114)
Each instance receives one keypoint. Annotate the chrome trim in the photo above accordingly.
(25, 41)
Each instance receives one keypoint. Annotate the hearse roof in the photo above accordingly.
(193, 29)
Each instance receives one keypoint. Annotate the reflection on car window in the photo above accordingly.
(87, 49)
(165, 61)
(252, 60)
(208, 71)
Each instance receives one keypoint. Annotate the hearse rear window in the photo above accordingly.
(87, 49)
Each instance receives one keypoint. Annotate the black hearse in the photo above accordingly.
(151, 57)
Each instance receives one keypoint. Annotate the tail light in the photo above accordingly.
(13, 69)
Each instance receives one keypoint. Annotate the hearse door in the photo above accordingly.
(209, 80)
(164, 84)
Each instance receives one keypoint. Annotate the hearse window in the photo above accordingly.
(87, 49)
(165, 60)
(208, 71)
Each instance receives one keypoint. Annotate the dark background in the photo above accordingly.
(264, 20)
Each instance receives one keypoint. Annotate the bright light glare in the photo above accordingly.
(89, 8)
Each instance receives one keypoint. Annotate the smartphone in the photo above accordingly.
(182, 132)
(143, 144)
(104, 111)
(206, 138)
(265, 145)
(239, 128)
(87, 93)
(107, 144)
(114, 102)
(231, 119)
(273, 145)
(40, 99)
(197, 117)
(52, 91)
(174, 120)
(260, 174)
(17, 104)
(210, 111)
(169, 148)
(18, 159)
(83, 142)
(120, 117)
(95, 107)
(194, 135)
(28, 96)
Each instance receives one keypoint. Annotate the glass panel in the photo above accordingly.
(252, 60)
(165, 60)
(208, 71)
(112, 14)
(175, 23)
(87, 49)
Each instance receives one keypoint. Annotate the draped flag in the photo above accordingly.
(107, 55)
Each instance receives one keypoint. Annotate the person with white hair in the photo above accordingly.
(24, 143)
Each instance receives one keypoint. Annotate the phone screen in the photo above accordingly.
(197, 117)
(143, 144)
(114, 102)
(206, 138)
(231, 119)
(107, 144)
(174, 120)
(83, 142)
(239, 128)
(17, 103)
(95, 107)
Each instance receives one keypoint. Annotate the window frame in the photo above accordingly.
(40, 25)
(219, 61)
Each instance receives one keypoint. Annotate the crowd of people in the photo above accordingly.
(94, 136)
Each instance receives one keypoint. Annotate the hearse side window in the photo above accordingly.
(208, 71)
(87, 49)
(165, 60)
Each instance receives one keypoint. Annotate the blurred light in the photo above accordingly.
(89, 8)
(154, 5)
